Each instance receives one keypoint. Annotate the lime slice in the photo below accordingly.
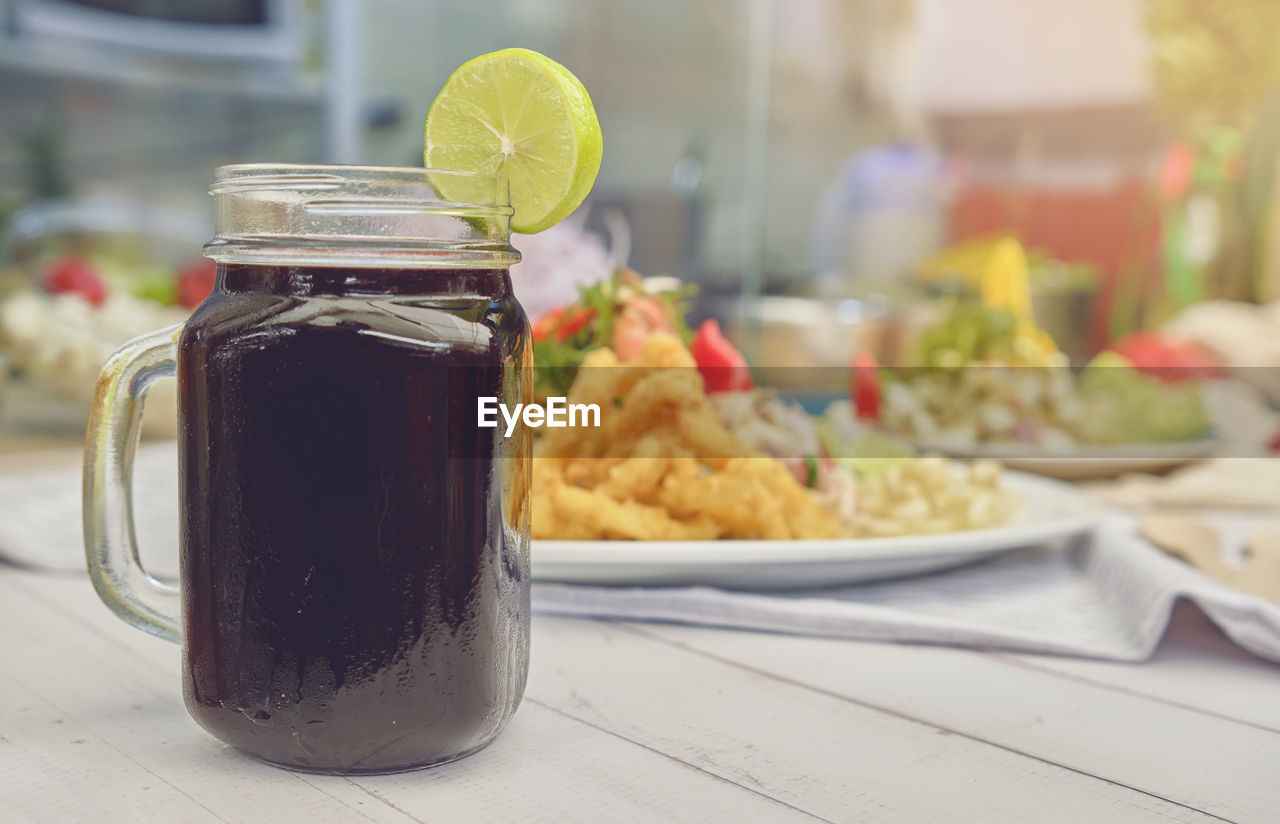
(520, 114)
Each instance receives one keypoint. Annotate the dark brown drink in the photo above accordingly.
(354, 584)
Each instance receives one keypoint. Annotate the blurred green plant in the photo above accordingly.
(1212, 62)
(1215, 72)
(43, 148)
(1258, 208)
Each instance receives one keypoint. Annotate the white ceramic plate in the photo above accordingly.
(1052, 511)
(1086, 463)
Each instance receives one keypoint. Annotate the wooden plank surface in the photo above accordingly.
(1199, 760)
(1186, 671)
(102, 702)
(628, 722)
(839, 759)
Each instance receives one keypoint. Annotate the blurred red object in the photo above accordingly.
(640, 316)
(866, 386)
(75, 276)
(722, 366)
(1177, 168)
(1171, 361)
(562, 322)
(195, 281)
(1114, 227)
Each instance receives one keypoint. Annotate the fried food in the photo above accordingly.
(662, 465)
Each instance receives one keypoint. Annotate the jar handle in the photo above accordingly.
(111, 547)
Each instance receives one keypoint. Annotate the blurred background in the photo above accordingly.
(821, 169)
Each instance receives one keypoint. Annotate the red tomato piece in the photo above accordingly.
(1171, 361)
(546, 322)
(75, 276)
(866, 393)
(573, 321)
(722, 366)
(562, 323)
(195, 281)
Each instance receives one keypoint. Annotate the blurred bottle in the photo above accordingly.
(882, 216)
(686, 174)
(1198, 191)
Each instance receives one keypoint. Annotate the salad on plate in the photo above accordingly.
(689, 448)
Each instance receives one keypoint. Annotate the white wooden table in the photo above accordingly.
(642, 722)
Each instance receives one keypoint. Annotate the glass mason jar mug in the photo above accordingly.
(354, 581)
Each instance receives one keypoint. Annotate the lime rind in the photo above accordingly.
(520, 114)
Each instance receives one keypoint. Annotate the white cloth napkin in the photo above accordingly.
(1107, 596)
